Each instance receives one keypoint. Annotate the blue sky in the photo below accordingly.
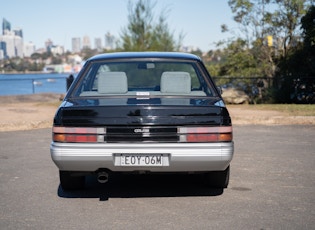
(60, 20)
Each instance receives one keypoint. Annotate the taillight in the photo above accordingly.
(206, 134)
(78, 134)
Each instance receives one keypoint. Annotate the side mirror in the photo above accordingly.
(70, 79)
(220, 90)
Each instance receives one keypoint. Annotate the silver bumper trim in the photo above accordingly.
(183, 157)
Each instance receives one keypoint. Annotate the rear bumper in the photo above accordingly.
(182, 157)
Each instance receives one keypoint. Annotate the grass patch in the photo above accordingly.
(290, 109)
(49, 103)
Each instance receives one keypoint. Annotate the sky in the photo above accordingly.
(60, 20)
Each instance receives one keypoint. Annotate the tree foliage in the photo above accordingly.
(284, 22)
(308, 27)
(273, 39)
(260, 20)
(238, 60)
(144, 33)
(301, 60)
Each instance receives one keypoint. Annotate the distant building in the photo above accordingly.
(98, 44)
(40, 50)
(8, 40)
(109, 41)
(29, 49)
(6, 26)
(18, 32)
(48, 45)
(189, 49)
(86, 42)
(57, 50)
(3, 50)
(13, 45)
(76, 45)
(18, 46)
(11, 42)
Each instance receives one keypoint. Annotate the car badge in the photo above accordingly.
(144, 130)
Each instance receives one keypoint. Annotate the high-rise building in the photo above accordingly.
(11, 41)
(57, 50)
(6, 26)
(18, 32)
(3, 50)
(29, 49)
(18, 46)
(98, 44)
(14, 44)
(86, 42)
(48, 44)
(109, 41)
(76, 45)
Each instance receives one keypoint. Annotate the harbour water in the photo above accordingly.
(21, 84)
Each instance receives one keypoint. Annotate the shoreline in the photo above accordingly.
(35, 72)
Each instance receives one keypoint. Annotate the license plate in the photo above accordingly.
(141, 160)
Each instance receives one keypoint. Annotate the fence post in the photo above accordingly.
(33, 85)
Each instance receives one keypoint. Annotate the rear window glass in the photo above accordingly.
(159, 78)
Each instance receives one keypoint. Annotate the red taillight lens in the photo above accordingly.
(202, 137)
(206, 134)
(78, 134)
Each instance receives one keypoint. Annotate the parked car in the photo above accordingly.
(142, 112)
(233, 95)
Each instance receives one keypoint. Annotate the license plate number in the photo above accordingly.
(141, 160)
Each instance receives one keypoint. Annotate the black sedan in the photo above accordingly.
(142, 112)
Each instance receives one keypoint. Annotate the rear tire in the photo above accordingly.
(218, 179)
(69, 182)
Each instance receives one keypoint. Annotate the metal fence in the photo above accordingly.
(298, 89)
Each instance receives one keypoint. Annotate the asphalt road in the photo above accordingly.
(272, 186)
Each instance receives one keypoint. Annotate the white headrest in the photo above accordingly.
(176, 82)
(112, 83)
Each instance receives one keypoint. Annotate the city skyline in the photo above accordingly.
(200, 22)
(12, 44)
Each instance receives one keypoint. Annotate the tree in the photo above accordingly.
(300, 61)
(143, 33)
(271, 35)
(308, 27)
(256, 57)
(296, 75)
(284, 22)
(88, 52)
(35, 56)
(239, 61)
(260, 20)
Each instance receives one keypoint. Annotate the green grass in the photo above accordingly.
(50, 103)
(290, 109)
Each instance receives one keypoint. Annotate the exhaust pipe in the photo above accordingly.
(102, 177)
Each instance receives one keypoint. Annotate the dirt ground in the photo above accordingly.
(26, 112)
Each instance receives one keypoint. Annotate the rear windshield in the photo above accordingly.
(159, 78)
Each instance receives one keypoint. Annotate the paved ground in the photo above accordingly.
(272, 186)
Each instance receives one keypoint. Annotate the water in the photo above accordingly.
(21, 84)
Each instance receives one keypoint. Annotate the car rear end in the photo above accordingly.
(142, 113)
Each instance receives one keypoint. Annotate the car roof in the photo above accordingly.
(127, 55)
